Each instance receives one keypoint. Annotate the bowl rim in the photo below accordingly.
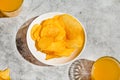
(80, 52)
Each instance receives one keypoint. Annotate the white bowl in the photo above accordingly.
(41, 56)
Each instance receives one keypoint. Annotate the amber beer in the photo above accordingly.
(10, 7)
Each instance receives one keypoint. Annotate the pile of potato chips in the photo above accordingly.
(58, 36)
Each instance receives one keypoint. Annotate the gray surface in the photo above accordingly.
(101, 19)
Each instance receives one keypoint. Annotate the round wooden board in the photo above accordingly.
(22, 46)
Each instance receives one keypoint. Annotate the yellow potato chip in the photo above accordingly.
(5, 75)
(72, 26)
(65, 53)
(55, 18)
(75, 43)
(62, 33)
(50, 56)
(56, 46)
(59, 49)
(1, 79)
(49, 31)
(35, 31)
(47, 22)
(61, 22)
(43, 43)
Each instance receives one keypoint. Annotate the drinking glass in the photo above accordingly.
(10, 8)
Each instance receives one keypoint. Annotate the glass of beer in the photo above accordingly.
(10, 8)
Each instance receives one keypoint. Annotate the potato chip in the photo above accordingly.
(5, 75)
(35, 31)
(72, 27)
(47, 22)
(49, 31)
(67, 52)
(75, 43)
(43, 43)
(49, 56)
(56, 46)
(62, 33)
(74, 31)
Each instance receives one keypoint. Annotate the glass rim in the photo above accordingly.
(108, 57)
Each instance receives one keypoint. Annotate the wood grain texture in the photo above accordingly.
(21, 44)
(2, 15)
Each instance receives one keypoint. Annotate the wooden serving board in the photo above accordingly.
(22, 46)
(2, 15)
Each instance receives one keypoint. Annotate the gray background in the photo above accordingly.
(101, 19)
